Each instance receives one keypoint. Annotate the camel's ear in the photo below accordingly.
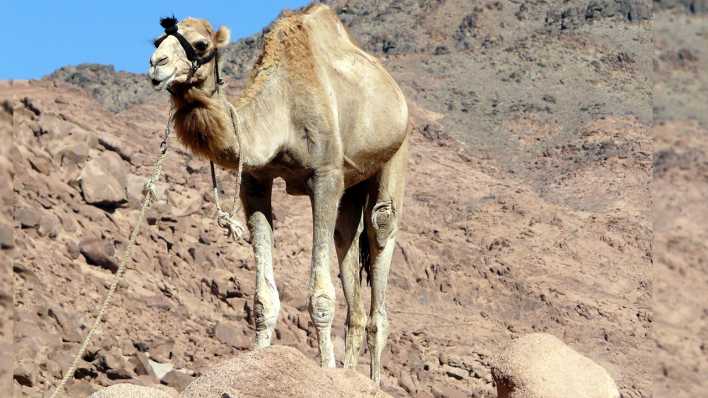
(222, 36)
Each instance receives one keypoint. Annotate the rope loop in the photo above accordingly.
(233, 227)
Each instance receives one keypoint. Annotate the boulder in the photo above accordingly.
(103, 181)
(99, 252)
(539, 365)
(279, 371)
(27, 217)
(124, 390)
(74, 153)
(231, 335)
(7, 237)
(176, 379)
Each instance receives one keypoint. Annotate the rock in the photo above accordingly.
(49, 225)
(27, 217)
(25, 373)
(539, 365)
(455, 372)
(160, 369)
(231, 335)
(72, 249)
(7, 237)
(162, 352)
(406, 382)
(74, 153)
(112, 143)
(141, 365)
(124, 390)
(99, 252)
(103, 181)
(67, 323)
(279, 371)
(223, 284)
(113, 364)
(178, 380)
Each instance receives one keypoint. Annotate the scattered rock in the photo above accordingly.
(539, 365)
(455, 372)
(74, 153)
(72, 249)
(67, 323)
(141, 365)
(224, 285)
(178, 380)
(25, 373)
(99, 252)
(406, 382)
(113, 364)
(280, 371)
(160, 369)
(112, 143)
(27, 217)
(231, 335)
(162, 352)
(7, 237)
(49, 225)
(103, 181)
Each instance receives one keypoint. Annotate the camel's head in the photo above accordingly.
(185, 53)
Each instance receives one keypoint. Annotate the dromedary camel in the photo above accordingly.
(327, 118)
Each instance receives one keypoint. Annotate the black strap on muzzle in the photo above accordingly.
(170, 25)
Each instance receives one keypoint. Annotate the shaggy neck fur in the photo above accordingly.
(202, 121)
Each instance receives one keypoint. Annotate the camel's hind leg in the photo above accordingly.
(350, 225)
(382, 214)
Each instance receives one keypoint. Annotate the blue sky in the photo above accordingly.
(43, 35)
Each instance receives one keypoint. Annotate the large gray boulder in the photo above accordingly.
(539, 365)
(279, 371)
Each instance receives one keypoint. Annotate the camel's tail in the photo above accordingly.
(364, 257)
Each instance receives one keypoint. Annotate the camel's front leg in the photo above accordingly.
(256, 197)
(326, 190)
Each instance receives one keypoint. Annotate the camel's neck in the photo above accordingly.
(204, 124)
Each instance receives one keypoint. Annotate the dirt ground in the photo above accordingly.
(556, 181)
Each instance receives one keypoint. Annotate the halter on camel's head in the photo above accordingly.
(182, 51)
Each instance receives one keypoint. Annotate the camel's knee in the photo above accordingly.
(384, 222)
(321, 309)
(357, 318)
(266, 311)
(377, 327)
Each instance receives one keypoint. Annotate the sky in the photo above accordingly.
(44, 35)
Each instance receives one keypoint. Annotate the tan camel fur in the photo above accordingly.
(328, 119)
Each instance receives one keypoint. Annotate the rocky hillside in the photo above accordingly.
(528, 206)
(680, 134)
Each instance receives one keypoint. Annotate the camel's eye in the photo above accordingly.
(201, 45)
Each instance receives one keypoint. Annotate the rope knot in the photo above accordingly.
(233, 227)
(150, 191)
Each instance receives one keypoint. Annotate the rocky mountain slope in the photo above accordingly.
(528, 208)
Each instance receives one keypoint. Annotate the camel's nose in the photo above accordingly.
(158, 60)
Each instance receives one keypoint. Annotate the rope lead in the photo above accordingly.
(150, 196)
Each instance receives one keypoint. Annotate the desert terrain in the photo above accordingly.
(556, 184)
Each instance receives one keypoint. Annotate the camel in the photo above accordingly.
(328, 119)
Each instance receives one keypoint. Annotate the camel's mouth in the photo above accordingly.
(161, 83)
